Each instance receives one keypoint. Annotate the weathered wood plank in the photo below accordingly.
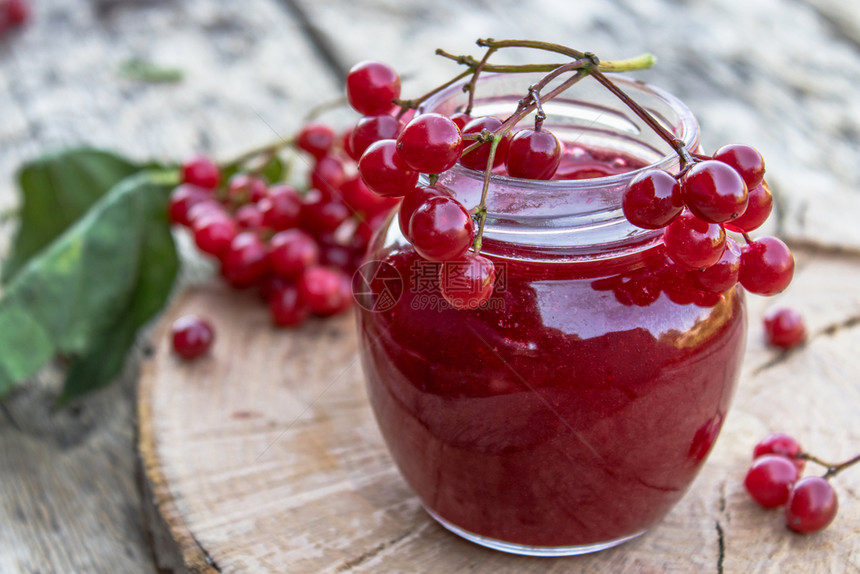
(264, 456)
(68, 495)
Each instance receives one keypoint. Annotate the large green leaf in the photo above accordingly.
(56, 191)
(90, 290)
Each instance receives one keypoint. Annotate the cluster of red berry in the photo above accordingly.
(698, 205)
(298, 248)
(392, 153)
(774, 480)
(13, 14)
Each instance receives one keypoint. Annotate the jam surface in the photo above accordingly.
(575, 408)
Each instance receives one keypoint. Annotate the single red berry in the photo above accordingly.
(371, 129)
(337, 256)
(270, 284)
(16, 13)
(315, 138)
(477, 158)
(384, 171)
(652, 199)
(722, 275)
(770, 479)
(430, 143)
(201, 171)
(693, 242)
(244, 188)
(371, 88)
(281, 208)
(249, 217)
(207, 208)
(714, 191)
(441, 229)
(320, 212)
(533, 154)
(758, 209)
(286, 306)
(192, 336)
(780, 444)
(360, 199)
(812, 505)
(182, 199)
(746, 160)
(767, 266)
(291, 252)
(414, 199)
(328, 173)
(245, 262)
(213, 233)
(461, 119)
(327, 291)
(784, 328)
(467, 283)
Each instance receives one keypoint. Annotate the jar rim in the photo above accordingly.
(687, 122)
(581, 216)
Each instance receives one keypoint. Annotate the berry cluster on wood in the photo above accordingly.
(299, 248)
(774, 480)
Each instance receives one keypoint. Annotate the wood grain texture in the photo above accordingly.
(264, 456)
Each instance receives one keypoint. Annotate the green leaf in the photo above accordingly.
(56, 191)
(273, 170)
(88, 293)
(145, 71)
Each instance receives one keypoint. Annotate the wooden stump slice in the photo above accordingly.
(264, 455)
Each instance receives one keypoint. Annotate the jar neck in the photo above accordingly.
(570, 220)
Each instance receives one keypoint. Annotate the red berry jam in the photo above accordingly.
(572, 409)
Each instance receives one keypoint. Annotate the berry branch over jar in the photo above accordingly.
(708, 196)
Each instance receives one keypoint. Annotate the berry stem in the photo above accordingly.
(470, 87)
(271, 149)
(832, 469)
(482, 206)
(677, 144)
(640, 62)
(406, 105)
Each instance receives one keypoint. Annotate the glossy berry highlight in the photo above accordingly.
(430, 143)
(652, 199)
(714, 191)
(770, 479)
(441, 229)
(767, 266)
(533, 154)
(812, 506)
(784, 328)
(372, 87)
(192, 336)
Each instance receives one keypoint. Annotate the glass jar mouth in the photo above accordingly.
(569, 216)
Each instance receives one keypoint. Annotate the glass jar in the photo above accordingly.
(571, 411)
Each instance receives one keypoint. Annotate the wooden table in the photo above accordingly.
(778, 74)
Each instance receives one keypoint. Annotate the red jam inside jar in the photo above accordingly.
(575, 408)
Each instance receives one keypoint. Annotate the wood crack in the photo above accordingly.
(721, 545)
(5, 410)
(209, 560)
(324, 47)
(827, 331)
(368, 554)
